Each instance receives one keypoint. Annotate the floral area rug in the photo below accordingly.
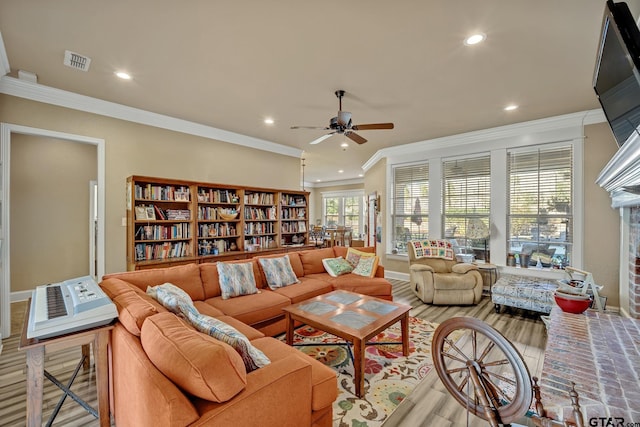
(389, 376)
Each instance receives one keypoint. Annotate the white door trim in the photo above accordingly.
(6, 129)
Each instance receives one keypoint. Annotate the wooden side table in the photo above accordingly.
(490, 270)
(36, 349)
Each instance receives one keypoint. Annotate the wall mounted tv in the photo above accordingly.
(617, 78)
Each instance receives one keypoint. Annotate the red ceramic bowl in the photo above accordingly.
(572, 303)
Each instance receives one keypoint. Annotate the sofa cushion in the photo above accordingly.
(216, 328)
(236, 279)
(278, 271)
(342, 250)
(197, 363)
(307, 288)
(294, 260)
(367, 266)
(323, 379)
(114, 287)
(186, 277)
(133, 308)
(252, 309)
(211, 278)
(312, 260)
(373, 286)
(337, 266)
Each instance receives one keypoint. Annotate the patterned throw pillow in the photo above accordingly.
(354, 255)
(172, 298)
(337, 266)
(367, 266)
(236, 279)
(252, 357)
(278, 271)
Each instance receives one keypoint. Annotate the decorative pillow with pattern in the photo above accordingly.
(172, 298)
(278, 271)
(252, 357)
(354, 255)
(434, 248)
(367, 266)
(236, 279)
(337, 266)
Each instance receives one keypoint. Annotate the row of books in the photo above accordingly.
(293, 213)
(216, 230)
(259, 198)
(215, 214)
(292, 200)
(154, 212)
(145, 251)
(294, 227)
(258, 214)
(162, 192)
(261, 241)
(209, 195)
(214, 247)
(259, 228)
(163, 232)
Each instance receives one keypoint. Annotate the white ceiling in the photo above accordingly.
(230, 64)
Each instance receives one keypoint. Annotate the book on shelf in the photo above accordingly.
(141, 212)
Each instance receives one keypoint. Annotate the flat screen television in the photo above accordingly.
(616, 78)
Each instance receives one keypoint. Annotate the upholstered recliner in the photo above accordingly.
(437, 278)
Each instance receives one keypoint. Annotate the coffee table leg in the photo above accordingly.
(358, 366)
(404, 325)
(290, 322)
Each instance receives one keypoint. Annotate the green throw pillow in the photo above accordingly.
(336, 266)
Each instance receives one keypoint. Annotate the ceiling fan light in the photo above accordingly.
(474, 39)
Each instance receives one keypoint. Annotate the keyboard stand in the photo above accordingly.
(35, 350)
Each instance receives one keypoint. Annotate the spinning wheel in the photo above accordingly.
(482, 370)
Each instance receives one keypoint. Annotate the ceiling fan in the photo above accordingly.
(341, 124)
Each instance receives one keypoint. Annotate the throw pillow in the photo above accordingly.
(252, 357)
(337, 266)
(278, 271)
(367, 266)
(195, 362)
(354, 255)
(236, 279)
(172, 298)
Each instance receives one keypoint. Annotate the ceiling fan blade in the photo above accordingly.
(355, 137)
(310, 127)
(322, 138)
(344, 118)
(373, 126)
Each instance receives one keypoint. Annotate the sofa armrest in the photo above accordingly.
(379, 271)
(284, 380)
(463, 267)
(420, 267)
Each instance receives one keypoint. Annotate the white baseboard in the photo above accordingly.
(396, 275)
(20, 296)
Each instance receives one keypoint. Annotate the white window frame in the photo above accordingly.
(341, 195)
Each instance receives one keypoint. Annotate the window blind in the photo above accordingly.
(410, 204)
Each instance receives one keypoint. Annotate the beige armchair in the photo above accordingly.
(437, 280)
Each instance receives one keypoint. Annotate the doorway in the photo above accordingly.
(19, 133)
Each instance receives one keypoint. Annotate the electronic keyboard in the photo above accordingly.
(69, 306)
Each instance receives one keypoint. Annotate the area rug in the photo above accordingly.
(389, 376)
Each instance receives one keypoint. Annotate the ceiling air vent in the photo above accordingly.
(77, 61)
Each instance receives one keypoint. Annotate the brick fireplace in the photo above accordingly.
(634, 262)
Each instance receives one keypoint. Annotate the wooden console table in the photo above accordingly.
(600, 352)
(36, 349)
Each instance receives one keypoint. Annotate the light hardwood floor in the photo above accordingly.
(429, 405)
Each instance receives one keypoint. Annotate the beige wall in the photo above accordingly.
(49, 210)
(601, 221)
(134, 149)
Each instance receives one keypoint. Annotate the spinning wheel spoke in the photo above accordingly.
(491, 397)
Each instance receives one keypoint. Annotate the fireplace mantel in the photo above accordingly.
(621, 176)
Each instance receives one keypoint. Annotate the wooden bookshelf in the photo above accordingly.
(172, 222)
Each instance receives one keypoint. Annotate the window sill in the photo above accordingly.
(545, 273)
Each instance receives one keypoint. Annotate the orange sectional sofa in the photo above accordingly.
(166, 373)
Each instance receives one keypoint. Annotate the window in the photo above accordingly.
(410, 205)
(344, 208)
(466, 202)
(540, 205)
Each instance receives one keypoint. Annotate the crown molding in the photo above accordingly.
(338, 183)
(48, 95)
(565, 121)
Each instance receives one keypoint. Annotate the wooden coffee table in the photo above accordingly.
(355, 318)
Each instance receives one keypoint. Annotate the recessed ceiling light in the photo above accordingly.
(511, 107)
(123, 75)
(474, 39)
(318, 180)
(269, 121)
(344, 145)
(340, 171)
(360, 175)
